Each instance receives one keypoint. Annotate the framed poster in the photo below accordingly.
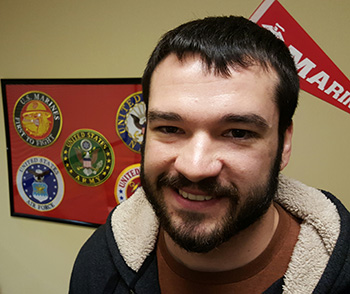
(73, 146)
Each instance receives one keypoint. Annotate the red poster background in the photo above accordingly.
(83, 106)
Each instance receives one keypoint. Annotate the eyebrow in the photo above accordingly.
(250, 118)
(161, 115)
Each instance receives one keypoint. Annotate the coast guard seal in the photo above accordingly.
(131, 118)
(127, 183)
(88, 157)
(37, 119)
(40, 183)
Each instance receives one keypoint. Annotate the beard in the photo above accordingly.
(238, 216)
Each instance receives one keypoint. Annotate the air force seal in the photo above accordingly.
(131, 118)
(127, 183)
(37, 119)
(88, 157)
(40, 183)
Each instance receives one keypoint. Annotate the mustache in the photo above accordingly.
(208, 185)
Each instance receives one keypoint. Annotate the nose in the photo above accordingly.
(198, 159)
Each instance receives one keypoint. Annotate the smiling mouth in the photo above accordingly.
(194, 197)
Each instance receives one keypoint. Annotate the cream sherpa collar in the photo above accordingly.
(135, 228)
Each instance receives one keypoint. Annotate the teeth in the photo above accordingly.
(195, 197)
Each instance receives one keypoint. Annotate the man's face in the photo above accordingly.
(211, 158)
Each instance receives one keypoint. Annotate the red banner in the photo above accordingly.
(318, 74)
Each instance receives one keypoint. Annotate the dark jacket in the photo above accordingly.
(120, 256)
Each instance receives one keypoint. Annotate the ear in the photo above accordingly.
(287, 147)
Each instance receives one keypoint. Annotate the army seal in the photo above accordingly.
(37, 119)
(130, 120)
(40, 183)
(88, 157)
(127, 183)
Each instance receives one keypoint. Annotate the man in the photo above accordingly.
(213, 214)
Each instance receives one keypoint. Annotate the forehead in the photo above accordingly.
(188, 83)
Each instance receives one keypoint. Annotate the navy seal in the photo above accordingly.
(130, 120)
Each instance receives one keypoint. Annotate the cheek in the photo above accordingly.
(156, 158)
(247, 169)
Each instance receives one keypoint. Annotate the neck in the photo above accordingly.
(237, 252)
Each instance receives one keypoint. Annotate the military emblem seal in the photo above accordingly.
(88, 157)
(37, 119)
(127, 183)
(131, 118)
(40, 183)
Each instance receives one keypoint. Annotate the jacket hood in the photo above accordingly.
(318, 235)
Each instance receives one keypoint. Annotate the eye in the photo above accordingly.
(169, 130)
(239, 134)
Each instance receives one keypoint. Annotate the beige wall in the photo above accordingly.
(113, 38)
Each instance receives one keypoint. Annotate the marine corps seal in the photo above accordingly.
(40, 183)
(127, 183)
(88, 157)
(130, 120)
(37, 119)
